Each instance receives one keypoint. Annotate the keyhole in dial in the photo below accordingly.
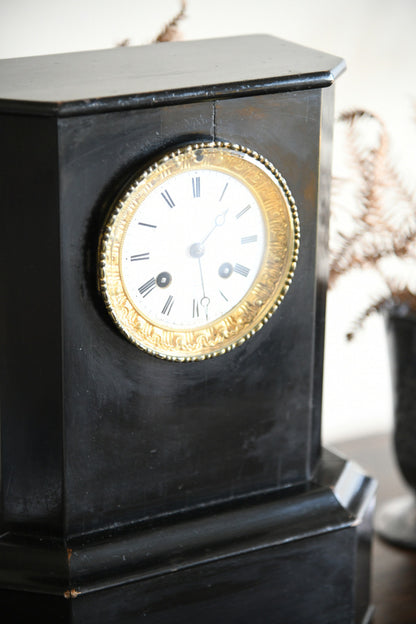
(225, 270)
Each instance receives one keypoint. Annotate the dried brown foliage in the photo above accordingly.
(373, 214)
(171, 31)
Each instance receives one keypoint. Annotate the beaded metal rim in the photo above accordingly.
(269, 287)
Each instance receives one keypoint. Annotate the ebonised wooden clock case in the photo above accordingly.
(132, 486)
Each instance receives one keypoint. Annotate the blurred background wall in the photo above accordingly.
(376, 37)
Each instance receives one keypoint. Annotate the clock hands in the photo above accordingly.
(216, 256)
(197, 250)
(208, 272)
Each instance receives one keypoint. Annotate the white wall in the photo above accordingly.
(376, 37)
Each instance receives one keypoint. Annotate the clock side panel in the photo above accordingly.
(322, 262)
(144, 436)
(30, 326)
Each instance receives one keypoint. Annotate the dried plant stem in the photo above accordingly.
(374, 216)
(170, 32)
(366, 167)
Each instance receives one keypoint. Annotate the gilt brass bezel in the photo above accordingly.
(266, 292)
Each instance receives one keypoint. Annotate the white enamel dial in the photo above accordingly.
(198, 251)
(193, 248)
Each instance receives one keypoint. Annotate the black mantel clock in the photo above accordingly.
(163, 275)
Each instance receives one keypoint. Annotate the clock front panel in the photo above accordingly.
(145, 435)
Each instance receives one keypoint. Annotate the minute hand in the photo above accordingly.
(205, 300)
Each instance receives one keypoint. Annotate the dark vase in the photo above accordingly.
(396, 520)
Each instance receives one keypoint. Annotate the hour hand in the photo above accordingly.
(219, 221)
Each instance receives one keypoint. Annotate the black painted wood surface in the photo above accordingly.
(102, 434)
(143, 436)
(123, 475)
(300, 557)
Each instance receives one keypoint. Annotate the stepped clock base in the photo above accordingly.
(301, 557)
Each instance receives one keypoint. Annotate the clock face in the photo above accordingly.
(194, 248)
(199, 251)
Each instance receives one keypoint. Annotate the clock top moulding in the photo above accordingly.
(95, 433)
(123, 78)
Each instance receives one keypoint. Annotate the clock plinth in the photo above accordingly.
(130, 468)
(302, 555)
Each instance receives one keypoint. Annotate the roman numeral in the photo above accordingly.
(142, 256)
(147, 225)
(147, 287)
(195, 308)
(196, 187)
(168, 305)
(243, 211)
(168, 199)
(222, 194)
(249, 239)
(242, 270)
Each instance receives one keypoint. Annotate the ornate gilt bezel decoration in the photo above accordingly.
(270, 284)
